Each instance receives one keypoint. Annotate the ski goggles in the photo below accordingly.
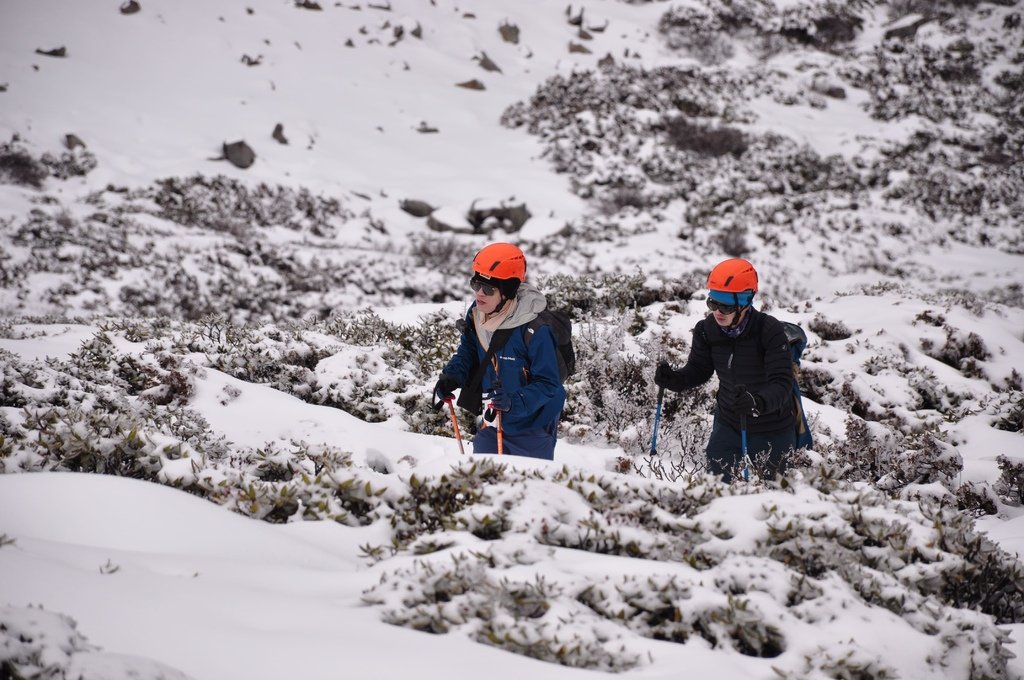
(478, 285)
(716, 306)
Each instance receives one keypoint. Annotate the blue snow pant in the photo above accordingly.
(533, 444)
(767, 450)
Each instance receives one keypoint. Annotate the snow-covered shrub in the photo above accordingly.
(80, 415)
(976, 500)
(1010, 485)
(824, 24)
(962, 351)
(1011, 412)
(817, 548)
(274, 484)
(891, 460)
(442, 254)
(828, 329)
(508, 614)
(601, 293)
(42, 645)
(77, 162)
(35, 643)
(433, 505)
(698, 32)
(17, 166)
(220, 203)
(705, 140)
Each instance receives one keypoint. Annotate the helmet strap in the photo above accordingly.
(740, 310)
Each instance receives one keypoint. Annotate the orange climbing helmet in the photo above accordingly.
(500, 261)
(733, 281)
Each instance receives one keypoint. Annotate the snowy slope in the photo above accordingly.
(216, 309)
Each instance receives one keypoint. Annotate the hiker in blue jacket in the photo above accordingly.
(750, 352)
(516, 388)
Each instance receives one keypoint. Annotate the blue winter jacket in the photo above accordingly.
(528, 371)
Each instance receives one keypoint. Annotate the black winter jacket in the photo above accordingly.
(758, 359)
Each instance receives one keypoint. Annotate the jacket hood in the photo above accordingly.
(529, 303)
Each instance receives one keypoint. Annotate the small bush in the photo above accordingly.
(17, 166)
(78, 162)
(1012, 415)
(961, 351)
(976, 500)
(829, 330)
(705, 140)
(1010, 485)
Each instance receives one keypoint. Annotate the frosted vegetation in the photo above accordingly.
(204, 272)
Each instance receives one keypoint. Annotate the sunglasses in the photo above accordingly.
(478, 285)
(716, 306)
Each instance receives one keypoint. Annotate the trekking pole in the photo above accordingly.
(497, 417)
(743, 443)
(657, 420)
(501, 443)
(455, 423)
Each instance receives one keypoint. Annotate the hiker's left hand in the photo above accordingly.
(748, 404)
(501, 400)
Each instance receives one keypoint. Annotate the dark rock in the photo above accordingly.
(906, 32)
(416, 208)
(509, 33)
(72, 142)
(486, 63)
(472, 85)
(278, 134)
(56, 52)
(239, 154)
(508, 218)
(435, 224)
(130, 7)
(309, 4)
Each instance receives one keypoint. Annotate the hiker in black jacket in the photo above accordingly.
(750, 353)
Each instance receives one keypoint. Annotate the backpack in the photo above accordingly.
(797, 344)
(560, 324)
(561, 328)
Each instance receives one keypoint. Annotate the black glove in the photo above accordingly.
(665, 377)
(747, 404)
(444, 388)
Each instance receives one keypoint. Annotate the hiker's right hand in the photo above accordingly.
(665, 377)
(444, 388)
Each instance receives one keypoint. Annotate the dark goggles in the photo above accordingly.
(716, 306)
(478, 285)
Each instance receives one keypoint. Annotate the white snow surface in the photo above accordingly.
(163, 583)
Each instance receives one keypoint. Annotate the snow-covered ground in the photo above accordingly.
(161, 583)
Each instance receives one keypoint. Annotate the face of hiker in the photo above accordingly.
(724, 314)
(487, 297)
(724, 319)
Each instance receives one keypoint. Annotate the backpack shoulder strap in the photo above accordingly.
(469, 398)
